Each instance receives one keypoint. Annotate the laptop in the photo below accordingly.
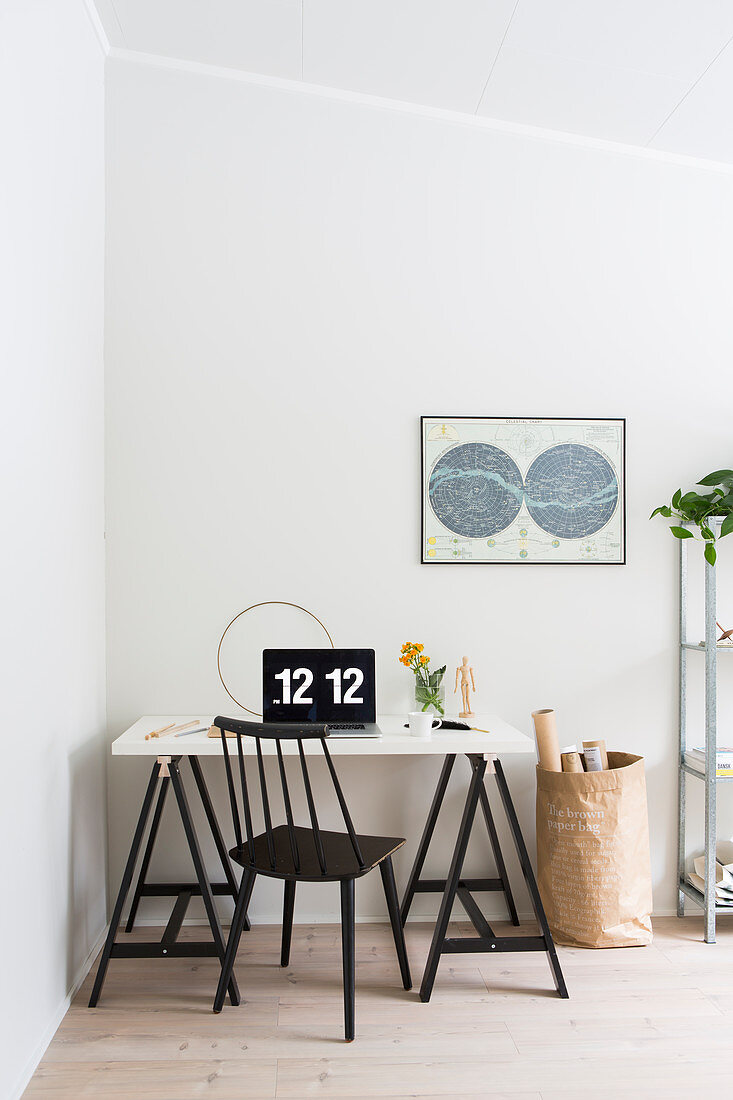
(337, 686)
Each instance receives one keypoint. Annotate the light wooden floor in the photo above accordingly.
(643, 1022)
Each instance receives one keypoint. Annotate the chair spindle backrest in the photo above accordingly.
(286, 731)
(312, 809)
(288, 808)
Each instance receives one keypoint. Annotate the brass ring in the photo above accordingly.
(264, 603)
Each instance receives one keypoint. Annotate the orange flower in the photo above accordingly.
(411, 656)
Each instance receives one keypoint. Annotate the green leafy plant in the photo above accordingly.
(700, 508)
(427, 683)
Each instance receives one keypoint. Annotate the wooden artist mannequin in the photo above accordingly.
(463, 672)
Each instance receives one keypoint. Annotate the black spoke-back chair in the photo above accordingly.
(297, 854)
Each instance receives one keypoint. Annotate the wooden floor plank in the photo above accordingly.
(131, 1080)
(523, 1003)
(353, 1077)
(311, 1040)
(640, 1024)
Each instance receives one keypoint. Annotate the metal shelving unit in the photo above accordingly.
(705, 900)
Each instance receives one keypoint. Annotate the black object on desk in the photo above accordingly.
(297, 854)
(448, 724)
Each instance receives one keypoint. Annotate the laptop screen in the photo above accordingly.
(318, 685)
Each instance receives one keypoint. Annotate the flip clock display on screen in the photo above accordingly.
(318, 685)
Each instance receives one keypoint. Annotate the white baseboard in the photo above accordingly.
(376, 918)
(319, 918)
(41, 1047)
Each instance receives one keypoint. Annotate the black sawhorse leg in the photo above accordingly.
(216, 832)
(152, 837)
(534, 893)
(425, 886)
(455, 885)
(152, 889)
(167, 947)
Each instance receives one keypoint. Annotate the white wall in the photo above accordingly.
(52, 810)
(292, 281)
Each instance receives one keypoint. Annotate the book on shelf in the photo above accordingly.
(723, 763)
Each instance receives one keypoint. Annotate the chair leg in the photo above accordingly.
(235, 932)
(348, 955)
(288, 909)
(393, 908)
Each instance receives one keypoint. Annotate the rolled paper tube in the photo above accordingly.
(596, 759)
(572, 762)
(548, 746)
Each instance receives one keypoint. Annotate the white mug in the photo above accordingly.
(422, 723)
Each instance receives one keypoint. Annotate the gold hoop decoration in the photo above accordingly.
(264, 603)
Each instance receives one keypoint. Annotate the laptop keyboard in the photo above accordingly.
(348, 726)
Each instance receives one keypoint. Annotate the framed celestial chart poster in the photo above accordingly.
(523, 490)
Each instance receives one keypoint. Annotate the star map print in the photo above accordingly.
(475, 490)
(525, 490)
(571, 491)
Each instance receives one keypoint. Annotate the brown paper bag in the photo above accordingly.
(594, 872)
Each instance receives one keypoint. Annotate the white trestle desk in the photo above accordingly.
(483, 751)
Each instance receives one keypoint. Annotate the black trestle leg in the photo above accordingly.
(124, 886)
(215, 830)
(348, 953)
(498, 857)
(393, 908)
(240, 915)
(454, 875)
(201, 873)
(152, 835)
(427, 836)
(288, 910)
(529, 878)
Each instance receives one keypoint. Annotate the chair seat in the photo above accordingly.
(341, 862)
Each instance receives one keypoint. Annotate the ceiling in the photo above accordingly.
(650, 73)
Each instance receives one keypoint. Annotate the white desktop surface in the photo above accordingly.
(396, 740)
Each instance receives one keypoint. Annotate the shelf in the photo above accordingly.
(702, 647)
(699, 899)
(710, 647)
(701, 775)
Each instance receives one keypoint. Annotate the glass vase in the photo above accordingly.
(430, 696)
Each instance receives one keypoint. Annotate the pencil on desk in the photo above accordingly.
(157, 733)
(164, 731)
(182, 726)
